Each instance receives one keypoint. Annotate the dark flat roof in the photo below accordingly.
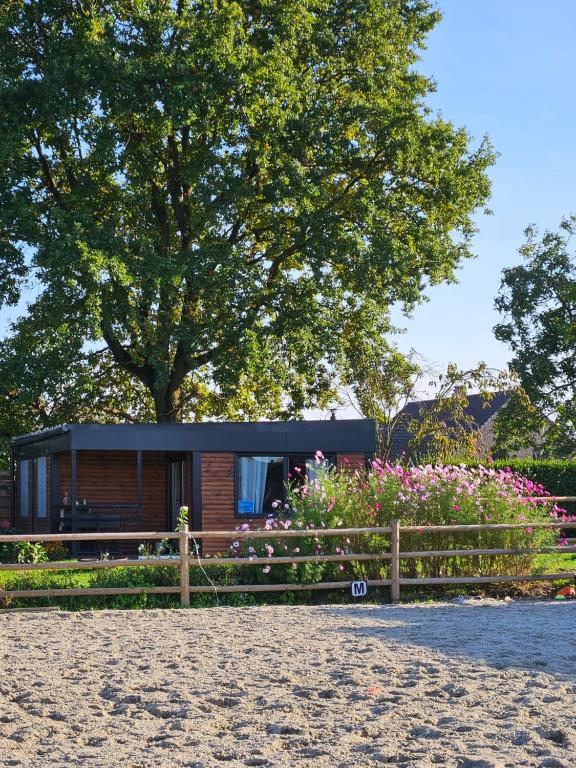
(275, 437)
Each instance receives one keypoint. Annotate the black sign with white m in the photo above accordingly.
(359, 588)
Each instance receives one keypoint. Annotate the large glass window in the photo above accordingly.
(23, 486)
(302, 468)
(41, 486)
(262, 480)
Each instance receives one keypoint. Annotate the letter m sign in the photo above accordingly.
(359, 588)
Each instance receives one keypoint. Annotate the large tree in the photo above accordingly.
(207, 196)
(538, 302)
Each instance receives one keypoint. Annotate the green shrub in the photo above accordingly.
(22, 551)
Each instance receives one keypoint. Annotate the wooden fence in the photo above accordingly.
(186, 559)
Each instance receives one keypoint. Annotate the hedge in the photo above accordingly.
(558, 476)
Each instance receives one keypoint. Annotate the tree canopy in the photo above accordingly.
(207, 197)
(538, 302)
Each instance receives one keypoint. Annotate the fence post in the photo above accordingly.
(395, 562)
(184, 566)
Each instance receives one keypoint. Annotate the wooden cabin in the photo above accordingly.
(131, 477)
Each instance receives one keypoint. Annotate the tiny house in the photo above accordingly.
(135, 477)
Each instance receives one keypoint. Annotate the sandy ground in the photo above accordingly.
(479, 685)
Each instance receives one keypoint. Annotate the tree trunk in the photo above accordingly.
(166, 404)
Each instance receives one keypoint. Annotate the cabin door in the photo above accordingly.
(176, 488)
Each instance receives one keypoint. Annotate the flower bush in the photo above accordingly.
(417, 496)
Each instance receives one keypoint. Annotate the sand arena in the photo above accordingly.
(475, 685)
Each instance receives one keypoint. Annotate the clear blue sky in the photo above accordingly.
(506, 68)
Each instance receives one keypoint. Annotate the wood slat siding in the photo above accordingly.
(153, 490)
(218, 500)
(109, 477)
(351, 461)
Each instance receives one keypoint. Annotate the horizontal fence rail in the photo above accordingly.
(187, 559)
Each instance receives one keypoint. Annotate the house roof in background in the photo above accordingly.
(478, 410)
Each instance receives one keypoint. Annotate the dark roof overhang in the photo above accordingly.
(275, 437)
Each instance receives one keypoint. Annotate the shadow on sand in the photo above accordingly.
(537, 636)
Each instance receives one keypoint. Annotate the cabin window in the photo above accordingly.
(41, 486)
(23, 487)
(261, 481)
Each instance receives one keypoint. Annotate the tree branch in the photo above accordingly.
(49, 180)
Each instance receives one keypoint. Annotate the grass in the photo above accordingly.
(555, 563)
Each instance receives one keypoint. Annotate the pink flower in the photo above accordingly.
(340, 567)
(378, 506)
(269, 549)
(456, 507)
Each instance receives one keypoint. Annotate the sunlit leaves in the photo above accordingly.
(202, 188)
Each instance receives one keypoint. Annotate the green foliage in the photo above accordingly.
(183, 516)
(31, 552)
(384, 381)
(444, 427)
(22, 551)
(207, 197)
(538, 300)
(9, 551)
(520, 425)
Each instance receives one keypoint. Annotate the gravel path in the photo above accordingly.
(484, 684)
